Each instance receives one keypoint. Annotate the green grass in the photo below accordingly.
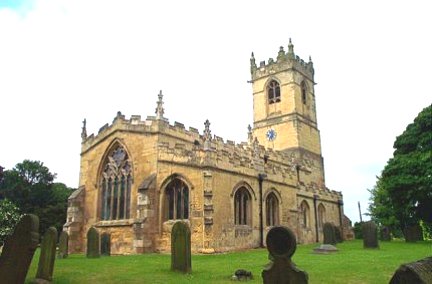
(352, 264)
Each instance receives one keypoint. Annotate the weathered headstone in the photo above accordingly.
(281, 244)
(93, 243)
(105, 244)
(63, 245)
(419, 272)
(370, 235)
(47, 257)
(329, 234)
(181, 247)
(338, 234)
(385, 234)
(413, 233)
(18, 250)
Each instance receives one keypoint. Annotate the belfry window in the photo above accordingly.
(272, 210)
(116, 186)
(273, 92)
(176, 200)
(242, 207)
(304, 92)
(304, 214)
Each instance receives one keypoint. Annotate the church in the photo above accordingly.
(139, 176)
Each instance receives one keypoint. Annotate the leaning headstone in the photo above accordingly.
(47, 257)
(370, 235)
(63, 245)
(18, 250)
(105, 244)
(385, 234)
(181, 247)
(281, 244)
(415, 272)
(93, 243)
(329, 234)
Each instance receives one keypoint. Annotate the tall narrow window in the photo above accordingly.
(176, 200)
(116, 186)
(242, 207)
(304, 214)
(273, 92)
(304, 92)
(321, 216)
(272, 210)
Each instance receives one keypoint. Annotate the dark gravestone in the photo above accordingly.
(93, 243)
(370, 235)
(413, 233)
(181, 247)
(385, 234)
(419, 272)
(281, 244)
(18, 250)
(63, 245)
(105, 244)
(329, 234)
(338, 234)
(47, 257)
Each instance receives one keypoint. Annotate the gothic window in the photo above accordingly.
(304, 214)
(176, 200)
(273, 92)
(242, 207)
(321, 216)
(116, 186)
(304, 92)
(272, 210)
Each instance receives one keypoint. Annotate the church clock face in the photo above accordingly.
(271, 135)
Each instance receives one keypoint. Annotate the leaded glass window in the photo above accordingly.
(272, 210)
(176, 200)
(273, 92)
(242, 207)
(116, 186)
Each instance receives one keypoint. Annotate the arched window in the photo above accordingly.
(304, 92)
(116, 186)
(273, 92)
(304, 211)
(321, 216)
(242, 207)
(272, 210)
(176, 200)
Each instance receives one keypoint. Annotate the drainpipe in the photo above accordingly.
(340, 203)
(261, 223)
(315, 198)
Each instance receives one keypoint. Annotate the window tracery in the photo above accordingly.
(176, 200)
(273, 92)
(242, 207)
(272, 210)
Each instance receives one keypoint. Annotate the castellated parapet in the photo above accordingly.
(284, 61)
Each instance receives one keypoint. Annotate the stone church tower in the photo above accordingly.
(284, 107)
(138, 177)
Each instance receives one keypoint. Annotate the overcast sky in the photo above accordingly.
(62, 61)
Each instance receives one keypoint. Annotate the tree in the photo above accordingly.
(30, 186)
(9, 218)
(403, 193)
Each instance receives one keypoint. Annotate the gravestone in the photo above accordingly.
(105, 244)
(63, 245)
(281, 244)
(18, 250)
(47, 257)
(415, 272)
(413, 233)
(329, 234)
(338, 234)
(181, 247)
(385, 234)
(370, 235)
(93, 243)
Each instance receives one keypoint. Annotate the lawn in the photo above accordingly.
(352, 264)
